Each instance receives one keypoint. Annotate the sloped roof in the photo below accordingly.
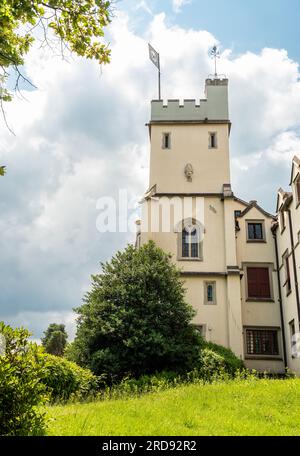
(295, 161)
(284, 195)
(253, 204)
(241, 201)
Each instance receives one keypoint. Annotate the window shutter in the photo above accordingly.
(258, 283)
(253, 286)
(265, 291)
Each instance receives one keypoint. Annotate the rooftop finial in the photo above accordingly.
(215, 54)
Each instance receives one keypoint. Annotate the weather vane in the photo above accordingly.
(215, 54)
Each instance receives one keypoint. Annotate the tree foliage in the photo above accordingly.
(135, 319)
(21, 391)
(55, 339)
(78, 25)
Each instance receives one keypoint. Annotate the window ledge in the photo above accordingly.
(263, 357)
(189, 259)
(260, 241)
(260, 300)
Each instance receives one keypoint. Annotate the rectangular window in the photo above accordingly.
(292, 336)
(138, 240)
(185, 244)
(210, 293)
(166, 141)
(297, 185)
(237, 213)
(282, 220)
(258, 279)
(255, 231)
(287, 283)
(189, 245)
(213, 140)
(262, 342)
(201, 329)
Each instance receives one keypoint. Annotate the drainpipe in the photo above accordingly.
(294, 264)
(280, 299)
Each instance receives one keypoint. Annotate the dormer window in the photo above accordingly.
(213, 140)
(166, 141)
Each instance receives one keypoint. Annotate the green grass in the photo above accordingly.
(261, 407)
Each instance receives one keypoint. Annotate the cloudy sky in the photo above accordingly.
(81, 136)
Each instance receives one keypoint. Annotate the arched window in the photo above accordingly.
(190, 234)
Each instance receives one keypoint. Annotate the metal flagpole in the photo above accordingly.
(159, 89)
(155, 59)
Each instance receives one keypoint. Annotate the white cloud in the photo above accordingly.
(178, 4)
(143, 5)
(82, 135)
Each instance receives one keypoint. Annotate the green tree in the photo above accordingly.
(78, 25)
(135, 319)
(55, 339)
(21, 391)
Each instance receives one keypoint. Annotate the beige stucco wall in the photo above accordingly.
(284, 243)
(189, 144)
(259, 313)
(213, 317)
(225, 251)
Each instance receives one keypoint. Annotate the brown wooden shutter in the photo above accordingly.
(258, 283)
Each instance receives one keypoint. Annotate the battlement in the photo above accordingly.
(213, 107)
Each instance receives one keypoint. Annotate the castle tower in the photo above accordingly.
(188, 209)
(223, 245)
(195, 132)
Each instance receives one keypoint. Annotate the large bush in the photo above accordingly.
(21, 391)
(135, 319)
(65, 379)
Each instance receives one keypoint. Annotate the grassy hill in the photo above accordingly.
(262, 407)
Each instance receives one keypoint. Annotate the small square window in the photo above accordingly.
(166, 141)
(237, 213)
(255, 231)
(210, 293)
(213, 140)
(200, 329)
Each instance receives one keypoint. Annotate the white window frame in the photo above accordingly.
(189, 225)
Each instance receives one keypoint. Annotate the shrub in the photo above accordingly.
(65, 379)
(21, 391)
(135, 320)
(216, 358)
